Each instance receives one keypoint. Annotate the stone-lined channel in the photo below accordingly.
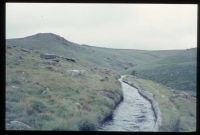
(134, 113)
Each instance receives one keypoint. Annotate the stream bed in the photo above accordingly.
(134, 113)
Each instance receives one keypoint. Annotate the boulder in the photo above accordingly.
(25, 50)
(75, 72)
(67, 59)
(46, 91)
(48, 56)
(70, 59)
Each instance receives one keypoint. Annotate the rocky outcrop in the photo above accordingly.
(148, 96)
(48, 56)
(54, 56)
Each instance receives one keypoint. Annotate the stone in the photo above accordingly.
(75, 72)
(78, 105)
(19, 82)
(45, 92)
(70, 59)
(25, 50)
(48, 56)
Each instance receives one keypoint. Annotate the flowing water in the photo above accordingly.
(134, 113)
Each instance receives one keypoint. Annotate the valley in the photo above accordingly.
(55, 84)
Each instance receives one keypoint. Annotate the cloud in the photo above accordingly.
(134, 26)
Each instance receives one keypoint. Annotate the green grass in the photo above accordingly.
(178, 113)
(177, 71)
(117, 59)
(71, 102)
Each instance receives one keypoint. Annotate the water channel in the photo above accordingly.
(134, 113)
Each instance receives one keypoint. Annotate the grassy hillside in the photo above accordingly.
(44, 96)
(178, 111)
(118, 59)
(176, 71)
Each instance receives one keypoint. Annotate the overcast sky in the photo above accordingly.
(129, 26)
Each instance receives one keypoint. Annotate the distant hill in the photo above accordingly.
(174, 68)
(119, 59)
(177, 71)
